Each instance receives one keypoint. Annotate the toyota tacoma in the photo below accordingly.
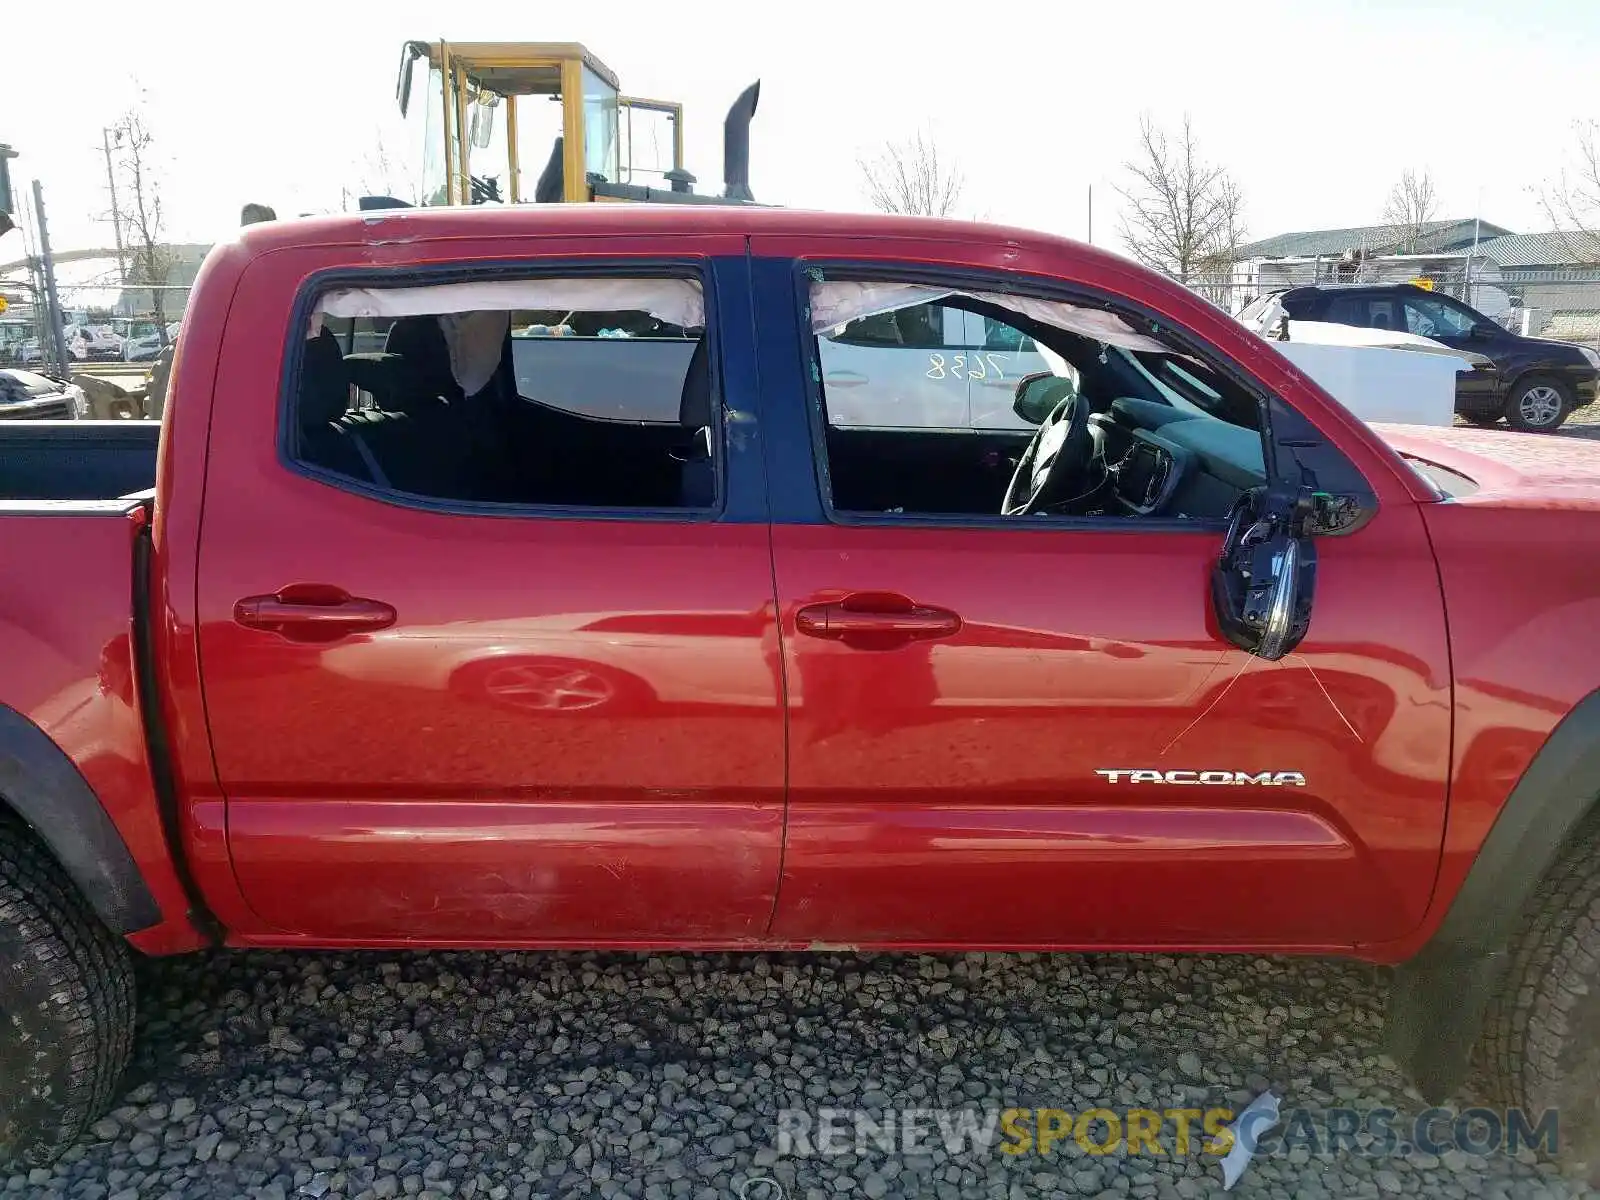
(607, 605)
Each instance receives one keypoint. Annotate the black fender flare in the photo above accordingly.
(1440, 996)
(45, 788)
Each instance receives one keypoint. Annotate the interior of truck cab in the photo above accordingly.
(580, 401)
(1002, 412)
(599, 393)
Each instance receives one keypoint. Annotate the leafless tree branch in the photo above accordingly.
(910, 177)
(1411, 206)
(383, 173)
(143, 223)
(1573, 204)
(1184, 216)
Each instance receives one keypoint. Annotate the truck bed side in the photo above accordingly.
(77, 460)
(73, 757)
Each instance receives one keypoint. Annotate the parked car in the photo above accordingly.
(1534, 383)
(101, 343)
(477, 651)
(146, 345)
(26, 396)
(32, 352)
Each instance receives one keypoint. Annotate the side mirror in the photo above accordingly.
(480, 129)
(1037, 395)
(1265, 578)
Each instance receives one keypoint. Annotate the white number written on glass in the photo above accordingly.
(960, 366)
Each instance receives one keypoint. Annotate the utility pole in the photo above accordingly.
(116, 210)
(47, 264)
(7, 224)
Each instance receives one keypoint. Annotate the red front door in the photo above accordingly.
(1030, 731)
(954, 789)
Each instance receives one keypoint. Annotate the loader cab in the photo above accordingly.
(545, 122)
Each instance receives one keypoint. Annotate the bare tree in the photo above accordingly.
(1184, 216)
(1410, 208)
(910, 177)
(383, 173)
(138, 181)
(1573, 203)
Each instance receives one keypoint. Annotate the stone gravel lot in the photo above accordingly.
(660, 1076)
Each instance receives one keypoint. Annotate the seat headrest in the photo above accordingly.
(324, 386)
(694, 408)
(421, 342)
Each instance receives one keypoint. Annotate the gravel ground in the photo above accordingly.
(520, 1075)
(1586, 420)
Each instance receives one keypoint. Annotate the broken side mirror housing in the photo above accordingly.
(1264, 581)
(1039, 394)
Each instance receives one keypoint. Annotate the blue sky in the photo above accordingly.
(1315, 105)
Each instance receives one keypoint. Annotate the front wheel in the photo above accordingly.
(66, 1006)
(1538, 404)
(1541, 1047)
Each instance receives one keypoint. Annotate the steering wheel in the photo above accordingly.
(1053, 466)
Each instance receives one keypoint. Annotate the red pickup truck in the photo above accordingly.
(506, 583)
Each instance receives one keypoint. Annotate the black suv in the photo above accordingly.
(1533, 383)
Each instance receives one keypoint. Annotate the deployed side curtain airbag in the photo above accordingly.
(676, 301)
(835, 303)
(476, 316)
(838, 303)
(475, 341)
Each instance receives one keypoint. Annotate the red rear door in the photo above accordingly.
(538, 722)
(969, 698)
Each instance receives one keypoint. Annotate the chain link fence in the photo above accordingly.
(105, 328)
(1561, 303)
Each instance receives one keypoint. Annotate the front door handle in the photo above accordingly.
(875, 615)
(305, 612)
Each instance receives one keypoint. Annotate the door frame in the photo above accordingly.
(1290, 442)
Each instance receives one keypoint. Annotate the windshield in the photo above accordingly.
(648, 135)
(599, 127)
(426, 120)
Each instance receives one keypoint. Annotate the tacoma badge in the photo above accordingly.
(1214, 778)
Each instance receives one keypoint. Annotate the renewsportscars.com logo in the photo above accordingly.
(1207, 778)
(1176, 1132)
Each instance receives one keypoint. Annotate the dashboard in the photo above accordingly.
(1170, 462)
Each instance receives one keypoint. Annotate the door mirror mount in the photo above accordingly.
(1265, 578)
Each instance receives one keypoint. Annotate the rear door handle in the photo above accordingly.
(876, 615)
(312, 612)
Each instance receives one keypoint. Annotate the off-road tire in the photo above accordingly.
(1541, 1038)
(1557, 404)
(66, 1006)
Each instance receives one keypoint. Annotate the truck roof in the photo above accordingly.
(580, 220)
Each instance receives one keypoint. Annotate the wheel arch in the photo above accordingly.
(43, 787)
(1440, 996)
(1535, 370)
